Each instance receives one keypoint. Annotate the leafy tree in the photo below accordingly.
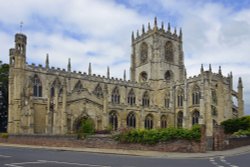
(4, 73)
(234, 125)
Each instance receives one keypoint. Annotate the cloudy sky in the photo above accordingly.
(99, 31)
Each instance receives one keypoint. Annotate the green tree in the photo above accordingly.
(4, 73)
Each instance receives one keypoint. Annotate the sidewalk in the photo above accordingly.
(153, 154)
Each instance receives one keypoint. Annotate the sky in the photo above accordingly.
(215, 32)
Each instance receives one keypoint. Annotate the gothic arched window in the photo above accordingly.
(169, 53)
(115, 98)
(168, 76)
(196, 95)
(131, 120)
(149, 122)
(180, 119)
(163, 121)
(195, 117)
(78, 86)
(143, 76)
(98, 91)
(145, 99)
(180, 95)
(37, 87)
(113, 120)
(144, 52)
(214, 97)
(131, 97)
(167, 100)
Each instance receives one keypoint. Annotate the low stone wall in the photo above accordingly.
(103, 141)
(234, 142)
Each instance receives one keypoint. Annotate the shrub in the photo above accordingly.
(158, 135)
(86, 128)
(242, 133)
(234, 125)
(4, 135)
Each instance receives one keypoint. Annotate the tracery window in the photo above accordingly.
(131, 97)
(148, 122)
(78, 86)
(167, 100)
(113, 120)
(115, 98)
(195, 117)
(214, 97)
(196, 95)
(37, 87)
(163, 121)
(169, 55)
(144, 52)
(143, 76)
(180, 95)
(145, 99)
(168, 76)
(131, 120)
(98, 91)
(180, 119)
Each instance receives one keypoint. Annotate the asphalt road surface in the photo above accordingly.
(27, 157)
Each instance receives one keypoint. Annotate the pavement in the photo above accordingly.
(155, 154)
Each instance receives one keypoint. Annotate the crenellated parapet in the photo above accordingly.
(145, 33)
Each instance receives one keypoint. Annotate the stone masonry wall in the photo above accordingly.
(102, 141)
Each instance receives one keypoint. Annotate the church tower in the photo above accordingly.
(17, 58)
(157, 55)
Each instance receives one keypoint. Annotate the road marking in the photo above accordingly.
(5, 156)
(70, 163)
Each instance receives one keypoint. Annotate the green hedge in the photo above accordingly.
(242, 133)
(158, 135)
(234, 125)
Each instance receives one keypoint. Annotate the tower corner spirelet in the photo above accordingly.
(47, 61)
(69, 65)
(90, 69)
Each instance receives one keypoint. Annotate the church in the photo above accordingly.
(48, 100)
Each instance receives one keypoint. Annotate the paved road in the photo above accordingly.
(27, 157)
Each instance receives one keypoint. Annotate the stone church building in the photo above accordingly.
(48, 100)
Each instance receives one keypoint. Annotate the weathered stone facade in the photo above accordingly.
(46, 100)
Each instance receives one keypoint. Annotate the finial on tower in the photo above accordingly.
(124, 75)
(108, 72)
(47, 61)
(132, 36)
(155, 22)
(210, 68)
(149, 27)
(180, 35)
(143, 29)
(169, 27)
(240, 85)
(202, 69)
(69, 65)
(137, 33)
(175, 31)
(162, 25)
(220, 70)
(90, 69)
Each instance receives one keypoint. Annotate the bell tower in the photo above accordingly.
(18, 54)
(157, 55)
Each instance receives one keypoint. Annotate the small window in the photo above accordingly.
(145, 99)
(131, 120)
(163, 121)
(196, 116)
(37, 87)
(180, 119)
(131, 98)
(149, 122)
(143, 76)
(144, 53)
(113, 120)
(115, 99)
(98, 91)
